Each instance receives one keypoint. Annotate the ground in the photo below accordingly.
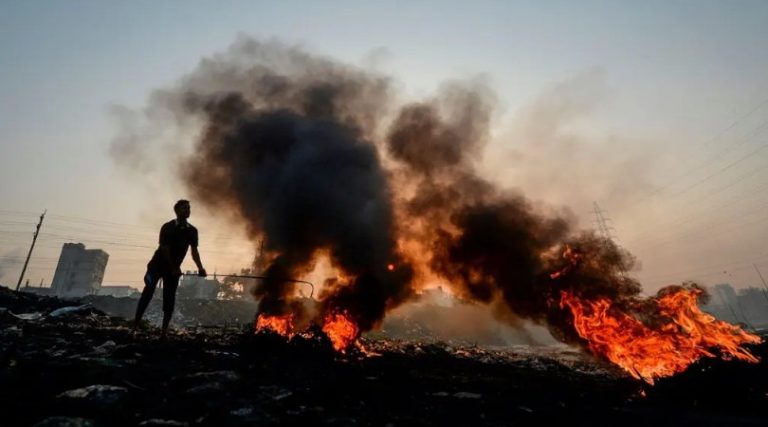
(84, 367)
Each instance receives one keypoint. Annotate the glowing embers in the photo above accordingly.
(341, 330)
(682, 334)
(282, 325)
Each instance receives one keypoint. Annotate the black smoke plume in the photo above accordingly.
(293, 158)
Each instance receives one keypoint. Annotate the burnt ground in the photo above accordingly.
(84, 367)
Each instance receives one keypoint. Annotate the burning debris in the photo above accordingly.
(682, 333)
(341, 330)
(319, 161)
(281, 325)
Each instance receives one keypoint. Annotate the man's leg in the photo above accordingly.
(170, 283)
(150, 283)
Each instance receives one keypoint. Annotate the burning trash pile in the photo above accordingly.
(322, 162)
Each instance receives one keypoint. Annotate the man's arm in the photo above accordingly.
(196, 257)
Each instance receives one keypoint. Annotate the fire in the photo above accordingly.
(649, 353)
(282, 325)
(572, 257)
(337, 325)
(340, 329)
(390, 267)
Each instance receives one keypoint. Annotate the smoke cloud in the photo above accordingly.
(319, 160)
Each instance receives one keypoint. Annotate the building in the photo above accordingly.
(79, 271)
(193, 286)
(747, 306)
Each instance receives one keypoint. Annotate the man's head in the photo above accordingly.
(182, 209)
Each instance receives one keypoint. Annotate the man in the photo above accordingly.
(176, 236)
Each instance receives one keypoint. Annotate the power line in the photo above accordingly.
(717, 156)
(710, 226)
(681, 220)
(711, 270)
(725, 168)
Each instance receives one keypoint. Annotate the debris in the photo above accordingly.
(467, 395)
(12, 331)
(28, 316)
(206, 377)
(157, 422)
(242, 412)
(66, 310)
(212, 388)
(65, 422)
(105, 348)
(229, 376)
(283, 395)
(222, 353)
(99, 396)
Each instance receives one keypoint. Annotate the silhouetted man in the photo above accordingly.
(176, 236)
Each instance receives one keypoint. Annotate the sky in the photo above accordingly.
(657, 111)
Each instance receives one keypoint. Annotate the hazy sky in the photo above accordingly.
(657, 110)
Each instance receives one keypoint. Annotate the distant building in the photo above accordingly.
(79, 271)
(192, 286)
(119, 291)
(747, 306)
(753, 302)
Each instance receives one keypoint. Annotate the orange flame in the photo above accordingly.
(341, 330)
(282, 325)
(649, 353)
(572, 257)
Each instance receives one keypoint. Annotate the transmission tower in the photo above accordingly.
(604, 230)
(602, 223)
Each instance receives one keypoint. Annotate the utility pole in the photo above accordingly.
(34, 239)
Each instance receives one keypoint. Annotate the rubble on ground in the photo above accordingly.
(188, 312)
(84, 367)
